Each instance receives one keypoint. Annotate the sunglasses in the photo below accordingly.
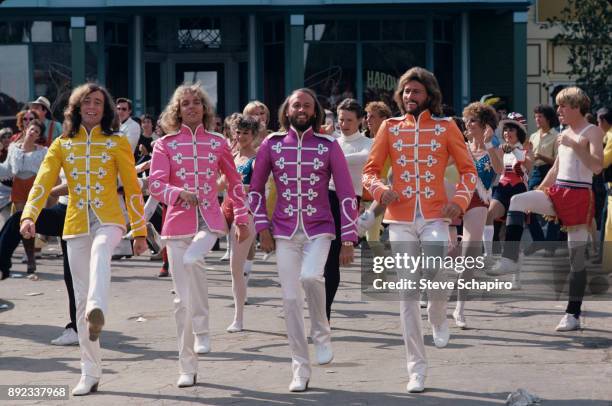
(29, 118)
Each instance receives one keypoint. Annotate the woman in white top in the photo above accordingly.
(21, 165)
(356, 147)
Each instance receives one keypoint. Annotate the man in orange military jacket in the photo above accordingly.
(420, 145)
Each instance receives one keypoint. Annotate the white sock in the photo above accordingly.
(248, 265)
(487, 238)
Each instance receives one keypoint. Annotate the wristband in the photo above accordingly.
(489, 145)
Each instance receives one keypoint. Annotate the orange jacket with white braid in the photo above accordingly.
(419, 149)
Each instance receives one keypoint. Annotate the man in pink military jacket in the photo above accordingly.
(183, 175)
(302, 162)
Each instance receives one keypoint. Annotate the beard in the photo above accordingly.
(420, 107)
(302, 126)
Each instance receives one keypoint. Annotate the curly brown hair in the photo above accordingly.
(72, 113)
(380, 108)
(41, 131)
(427, 79)
(484, 113)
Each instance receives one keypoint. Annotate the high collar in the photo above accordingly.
(293, 132)
(423, 115)
(97, 130)
(187, 130)
(352, 137)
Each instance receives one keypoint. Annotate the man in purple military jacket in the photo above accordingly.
(302, 161)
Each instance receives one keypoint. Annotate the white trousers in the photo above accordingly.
(90, 266)
(410, 313)
(186, 260)
(150, 207)
(238, 257)
(301, 263)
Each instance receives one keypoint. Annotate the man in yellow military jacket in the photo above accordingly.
(92, 154)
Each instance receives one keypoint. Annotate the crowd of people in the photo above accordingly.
(307, 193)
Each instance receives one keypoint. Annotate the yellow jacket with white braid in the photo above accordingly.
(92, 161)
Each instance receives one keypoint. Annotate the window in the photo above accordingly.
(41, 31)
(383, 64)
(14, 32)
(549, 8)
(199, 33)
(331, 71)
(388, 48)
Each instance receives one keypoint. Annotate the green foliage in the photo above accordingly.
(586, 29)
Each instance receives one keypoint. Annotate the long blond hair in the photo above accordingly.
(171, 119)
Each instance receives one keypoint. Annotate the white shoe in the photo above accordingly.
(489, 261)
(267, 255)
(248, 267)
(226, 256)
(516, 281)
(460, 320)
(298, 384)
(186, 380)
(235, 327)
(324, 353)
(95, 322)
(87, 384)
(202, 344)
(423, 304)
(365, 222)
(568, 323)
(68, 337)
(441, 334)
(416, 383)
(502, 267)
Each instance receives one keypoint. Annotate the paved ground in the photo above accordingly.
(509, 345)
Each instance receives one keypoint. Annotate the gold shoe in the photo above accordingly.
(95, 321)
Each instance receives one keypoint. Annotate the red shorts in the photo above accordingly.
(476, 202)
(573, 206)
(21, 189)
(227, 208)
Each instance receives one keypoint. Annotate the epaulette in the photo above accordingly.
(170, 135)
(328, 137)
(436, 118)
(277, 134)
(217, 134)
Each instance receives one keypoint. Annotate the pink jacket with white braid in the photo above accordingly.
(192, 161)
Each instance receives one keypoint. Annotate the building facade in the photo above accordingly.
(242, 50)
(547, 67)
